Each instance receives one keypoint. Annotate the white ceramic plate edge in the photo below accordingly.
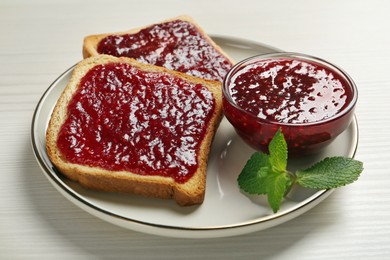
(181, 231)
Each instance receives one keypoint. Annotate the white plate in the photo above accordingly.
(225, 211)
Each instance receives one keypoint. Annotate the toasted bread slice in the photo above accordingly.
(198, 56)
(101, 178)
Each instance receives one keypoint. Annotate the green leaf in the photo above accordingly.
(278, 152)
(253, 175)
(267, 174)
(332, 172)
(276, 186)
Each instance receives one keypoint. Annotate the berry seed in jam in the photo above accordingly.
(176, 45)
(311, 100)
(148, 123)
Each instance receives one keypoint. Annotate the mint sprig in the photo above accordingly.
(267, 174)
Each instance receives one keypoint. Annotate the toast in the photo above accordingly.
(95, 175)
(178, 43)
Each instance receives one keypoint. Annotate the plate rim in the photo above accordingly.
(78, 199)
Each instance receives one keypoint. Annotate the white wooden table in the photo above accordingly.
(41, 39)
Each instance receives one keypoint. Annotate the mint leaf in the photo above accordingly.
(253, 176)
(276, 186)
(278, 152)
(268, 175)
(260, 176)
(330, 173)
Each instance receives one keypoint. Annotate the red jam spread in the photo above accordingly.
(176, 45)
(289, 91)
(149, 123)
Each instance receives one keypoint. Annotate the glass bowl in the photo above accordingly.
(296, 93)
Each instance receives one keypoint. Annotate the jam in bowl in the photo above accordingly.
(309, 99)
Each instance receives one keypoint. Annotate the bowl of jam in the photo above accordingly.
(311, 100)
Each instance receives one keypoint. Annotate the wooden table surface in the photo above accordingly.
(41, 39)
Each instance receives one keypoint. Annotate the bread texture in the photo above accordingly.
(91, 42)
(188, 193)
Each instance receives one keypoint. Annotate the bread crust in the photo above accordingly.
(91, 41)
(189, 193)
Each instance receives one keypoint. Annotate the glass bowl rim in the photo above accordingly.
(301, 56)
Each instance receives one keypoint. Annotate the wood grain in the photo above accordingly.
(41, 39)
